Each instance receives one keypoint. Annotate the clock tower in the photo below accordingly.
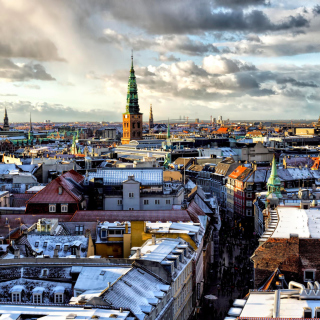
(132, 118)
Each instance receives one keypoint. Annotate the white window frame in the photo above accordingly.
(145, 201)
(37, 298)
(131, 195)
(131, 209)
(64, 207)
(16, 297)
(58, 298)
(120, 202)
(157, 201)
(52, 207)
(168, 201)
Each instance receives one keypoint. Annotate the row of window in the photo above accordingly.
(111, 232)
(145, 201)
(37, 297)
(134, 133)
(53, 207)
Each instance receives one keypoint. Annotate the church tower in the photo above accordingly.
(150, 119)
(132, 118)
(6, 126)
(274, 186)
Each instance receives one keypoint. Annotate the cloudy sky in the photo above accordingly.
(69, 60)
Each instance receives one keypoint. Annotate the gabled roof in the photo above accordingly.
(70, 183)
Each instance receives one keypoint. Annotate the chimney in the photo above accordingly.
(16, 253)
(154, 239)
(87, 233)
(77, 253)
(55, 253)
(126, 228)
(138, 253)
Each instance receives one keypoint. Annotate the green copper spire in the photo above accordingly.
(168, 130)
(274, 182)
(132, 106)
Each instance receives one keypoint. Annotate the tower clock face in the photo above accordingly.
(126, 116)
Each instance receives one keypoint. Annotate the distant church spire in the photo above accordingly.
(168, 130)
(5, 121)
(30, 125)
(150, 119)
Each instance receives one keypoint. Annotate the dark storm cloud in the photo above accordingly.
(296, 83)
(316, 10)
(163, 44)
(241, 3)
(188, 16)
(14, 72)
(33, 49)
(168, 58)
(21, 38)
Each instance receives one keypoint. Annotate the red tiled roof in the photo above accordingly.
(195, 211)
(153, 216)
(20, 199)
(69, 194)
(74, 175)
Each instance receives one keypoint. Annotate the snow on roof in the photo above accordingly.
(35, 188)
(300, 173)
(117, 176)
(261, 304)
(13, 311)
(40, 290)
(133, 291)
(59, 289)
(157, 252)
(46, 244)
(17, 288)
(94, 278)
(299, 221)
(5, 168)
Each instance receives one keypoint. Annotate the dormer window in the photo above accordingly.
(37, 298)
(36, 244)
(64, 208)
(65, 248)
(44, 272)
(58, 246)
(102, 273)
(45, 244)
(16, 293)
(52, 208)
(16, 297)
(58, 298)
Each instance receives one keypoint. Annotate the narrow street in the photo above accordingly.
(232, 276)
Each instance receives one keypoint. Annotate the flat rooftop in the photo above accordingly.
(260, 304)
(304, 222)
